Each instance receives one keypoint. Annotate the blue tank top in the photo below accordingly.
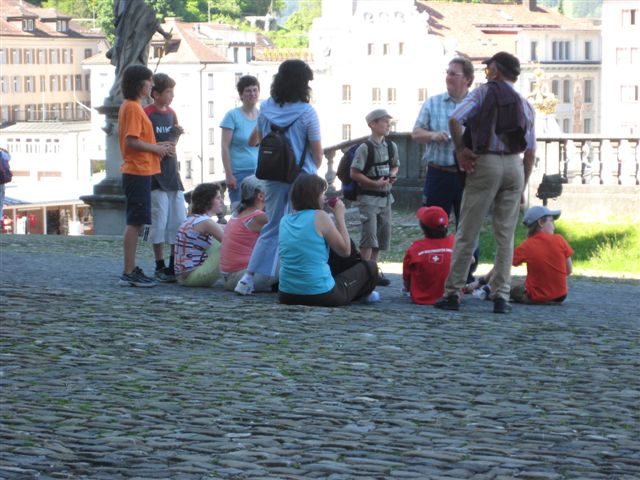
(303, 256)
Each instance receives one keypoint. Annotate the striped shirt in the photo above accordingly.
(191, 245)
(470, 106)
(434, 116)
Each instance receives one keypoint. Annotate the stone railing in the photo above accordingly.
(580, 158)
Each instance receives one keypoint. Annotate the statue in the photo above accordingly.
(135, 23)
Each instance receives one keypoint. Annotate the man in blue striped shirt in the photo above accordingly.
(496, 174)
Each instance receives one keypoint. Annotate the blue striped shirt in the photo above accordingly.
(470, 106)
(434, 116)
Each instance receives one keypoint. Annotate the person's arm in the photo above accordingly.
(257, 222)
(210, 227)
(424, 136)
(569, 266)
(364, 181)
(255, 138)
(225, 144)
(161, 149)
(336, 234)
(466, 158)
(316, 152)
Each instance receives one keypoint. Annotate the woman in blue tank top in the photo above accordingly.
(305, 238)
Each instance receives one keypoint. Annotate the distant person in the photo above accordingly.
(167, 193)
(305, 238)
(141, 159)
(238, 157)
(548, 259)
(426, 263)
(240, 236)
(498, 128)
(374, 197)
(198, 239)
(288, 105)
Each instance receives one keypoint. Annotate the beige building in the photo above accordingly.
(41, 78)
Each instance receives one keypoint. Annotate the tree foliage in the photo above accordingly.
(295, 33)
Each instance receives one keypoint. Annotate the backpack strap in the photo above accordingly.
(371, 155)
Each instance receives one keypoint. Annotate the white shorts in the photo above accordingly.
(168, 211)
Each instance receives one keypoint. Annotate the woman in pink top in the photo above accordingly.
(241, 234)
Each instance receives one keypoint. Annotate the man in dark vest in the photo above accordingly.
(499, 126)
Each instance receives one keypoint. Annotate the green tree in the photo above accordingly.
(295, 33)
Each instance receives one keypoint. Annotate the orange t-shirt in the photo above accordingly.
(133, 122)
(546, 258)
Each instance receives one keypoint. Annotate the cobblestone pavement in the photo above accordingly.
(103, 382)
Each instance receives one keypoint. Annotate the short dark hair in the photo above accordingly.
(162, 81)
(247, 81)
(467, 67)
(439, 232)
(306, 190)
(132, 79)
(291, 83)
(202, 197)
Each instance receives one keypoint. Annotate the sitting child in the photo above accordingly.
(548, 259)
(426, 262)
(197, 255)
(241, 234)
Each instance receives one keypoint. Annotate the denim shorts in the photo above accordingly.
(137, 192)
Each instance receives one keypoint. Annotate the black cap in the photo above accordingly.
(509, 63)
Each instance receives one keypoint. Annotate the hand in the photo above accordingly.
(338, 207)
(467, 160)
(165, 148)
(382, 182)
(231, 182)
(392, 179)
(441, 137)
(179, 129)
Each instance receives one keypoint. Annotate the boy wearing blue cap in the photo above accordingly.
(548, 259)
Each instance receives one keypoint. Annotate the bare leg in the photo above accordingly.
(130, 241)
(365, 253)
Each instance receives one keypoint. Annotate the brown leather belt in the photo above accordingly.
(442, 168)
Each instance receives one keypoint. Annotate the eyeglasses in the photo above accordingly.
(451, 73)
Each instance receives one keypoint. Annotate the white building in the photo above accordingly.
(621, 67)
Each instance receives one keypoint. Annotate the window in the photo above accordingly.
(566, 91)
(588, 91)
(629, 93)
(534, 51)
(371, 49)
(28, 56)
(4, 84)
(78, 83)
(566, 125)
(32, 116)
(54, 83)
(386, 49)
(54, 56)
(55, 115)
(28, 25)
(629, 17)
(87, 81)
(187, 173)
(401, 48)
(210, 110)
(235, 54)
(375, 95)
(66, 83)
(67, 55)
(43, 83)
(62, 25)
(17, 85)
(238, 77)
(422, 95)
(212, 165)
(586, 125)
(3, 56)
(391, 95)
(248, 54)
(346, 131)
(210, 81)
(622, 56)
(211, 136)
(4, 113)
(555, 88)
(587, 50)
(16, 58)
(29, 83)
(560, 50)
(346, 93)
(87, 53)
(42, 56)
(68, 111)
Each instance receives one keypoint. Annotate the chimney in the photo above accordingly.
(529, 5)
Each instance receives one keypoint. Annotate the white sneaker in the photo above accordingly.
(373, 297)
(243, 288)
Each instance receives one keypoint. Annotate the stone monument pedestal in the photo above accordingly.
(108, 201)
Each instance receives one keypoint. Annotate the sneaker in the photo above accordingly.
(373, 297)
(448, 302)
(243, 288)
(382, 280)
(165, 275)
(136, 278)
(500, 305)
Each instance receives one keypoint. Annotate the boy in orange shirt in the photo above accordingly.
(141, 159)
(548, 259)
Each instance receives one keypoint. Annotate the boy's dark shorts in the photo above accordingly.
(137, 191)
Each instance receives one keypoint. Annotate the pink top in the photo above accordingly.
(237, 243)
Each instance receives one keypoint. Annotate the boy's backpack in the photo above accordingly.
(350, 189)
(276, 160)
(5, 171)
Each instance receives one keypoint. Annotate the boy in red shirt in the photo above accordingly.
(548, 259)
(426, 262)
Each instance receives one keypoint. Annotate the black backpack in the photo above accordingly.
(350, 189)
(276, 160)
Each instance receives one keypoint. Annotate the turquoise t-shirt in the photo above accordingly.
(244, 158)
(304, 256)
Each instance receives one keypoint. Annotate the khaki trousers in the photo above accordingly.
(497, 180)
